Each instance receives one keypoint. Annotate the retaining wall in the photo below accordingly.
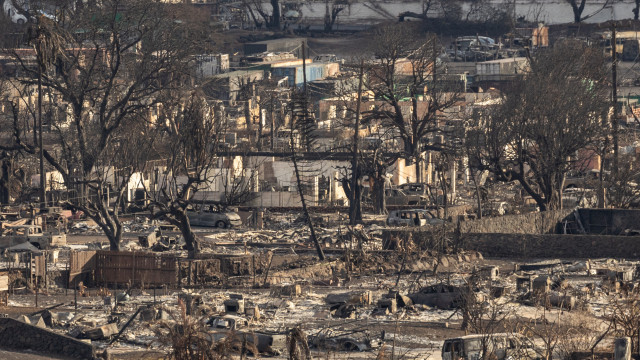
(534, 235)
(531, 246)
(530, 223)
(20, 336)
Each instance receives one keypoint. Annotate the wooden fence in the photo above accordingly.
(38, 265)
(137, 268)
(80, 263)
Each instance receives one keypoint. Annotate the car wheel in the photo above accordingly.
(20, 21)
(221, 224)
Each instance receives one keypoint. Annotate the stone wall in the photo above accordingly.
(532, 246)
(534, 235)
(20, 336)
(531, 223)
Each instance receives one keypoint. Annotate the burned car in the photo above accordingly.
(210, 217)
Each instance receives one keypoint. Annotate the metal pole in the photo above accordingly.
(253, 269)
(43, 191)
(355, 201)
(614, 97)
(319, 250)
(272, 121)
(46, 255)
(66, 290)
(304, 70)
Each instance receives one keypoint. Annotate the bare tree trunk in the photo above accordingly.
(601, 194)
(560, 192)
(247, 116)
(114, 243)
(380, 201)
(117, 239)
(478, 198)
(272, 118)
(256, 22)
(260, 128)
(99, 212)
(577, 9)
(4, 181)
(331, 16)
(445, 193)
(182, 221)
(327, 17)
(43, 178)
(275, 19)
(355, 201)
(112, 228)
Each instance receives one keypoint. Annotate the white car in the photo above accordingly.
(16, 18)
(222, 220)
(11, 11)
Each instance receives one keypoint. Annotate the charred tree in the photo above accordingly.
(108, 79)
(578, 6)
(187, 143)
(270, 19)
(331, 14)
(405, 80)
(546, 118)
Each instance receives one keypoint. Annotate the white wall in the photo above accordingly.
(136, 181)
(262, 199)
(279, 199)
(403, 173)
(54, 181)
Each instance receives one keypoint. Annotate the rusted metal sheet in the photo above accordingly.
(135, 267)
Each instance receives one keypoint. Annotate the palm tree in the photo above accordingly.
(48, 41)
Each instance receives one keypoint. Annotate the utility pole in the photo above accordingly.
(43, 178)
(305, 117)
(273, 135)
(355, 212)
(614, 97)
(304, 69)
